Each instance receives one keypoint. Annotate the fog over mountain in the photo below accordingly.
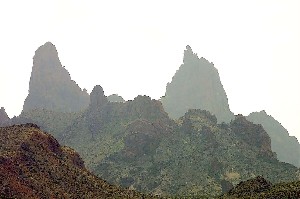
(136, 47)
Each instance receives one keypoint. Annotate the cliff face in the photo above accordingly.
(286, 147)
(50, 85)
(34, 165)
(196, 85)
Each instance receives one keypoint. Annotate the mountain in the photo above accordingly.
(4, 119)
(261, 188)
(195, 157)
(286, 147)
(196, 85)
(135, 144)
(50, 85)
(34, 165)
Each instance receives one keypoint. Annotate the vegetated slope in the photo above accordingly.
(135, 144)
(50, 85)
(196, 85)
(286, 147)
(198, 157)
(34, 165)
(261, 188)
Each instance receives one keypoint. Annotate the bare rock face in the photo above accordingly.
(50, 85)
(286, 147)
(196, 85)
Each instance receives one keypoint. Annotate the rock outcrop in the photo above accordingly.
(34, 165)
(252, 134)
(286, 147)
(196, 85)
(51, 86)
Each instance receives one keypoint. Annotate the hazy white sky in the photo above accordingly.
(135, 47)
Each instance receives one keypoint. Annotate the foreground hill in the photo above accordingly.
(261, 188)
(34, 165)
(286, 147)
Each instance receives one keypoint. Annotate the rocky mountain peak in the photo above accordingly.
(3, 116)
(51, 86)
(97, 97)
(196, 85)
(46, 56)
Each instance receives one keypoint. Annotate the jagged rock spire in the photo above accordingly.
(3, 116)
(51, 86)
(196, 85)
(97, 97)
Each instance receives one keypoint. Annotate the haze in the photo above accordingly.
(135, 47)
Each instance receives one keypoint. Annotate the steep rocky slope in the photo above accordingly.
(50, 85)
(34, 165)
(196, 85)
(286, 147)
